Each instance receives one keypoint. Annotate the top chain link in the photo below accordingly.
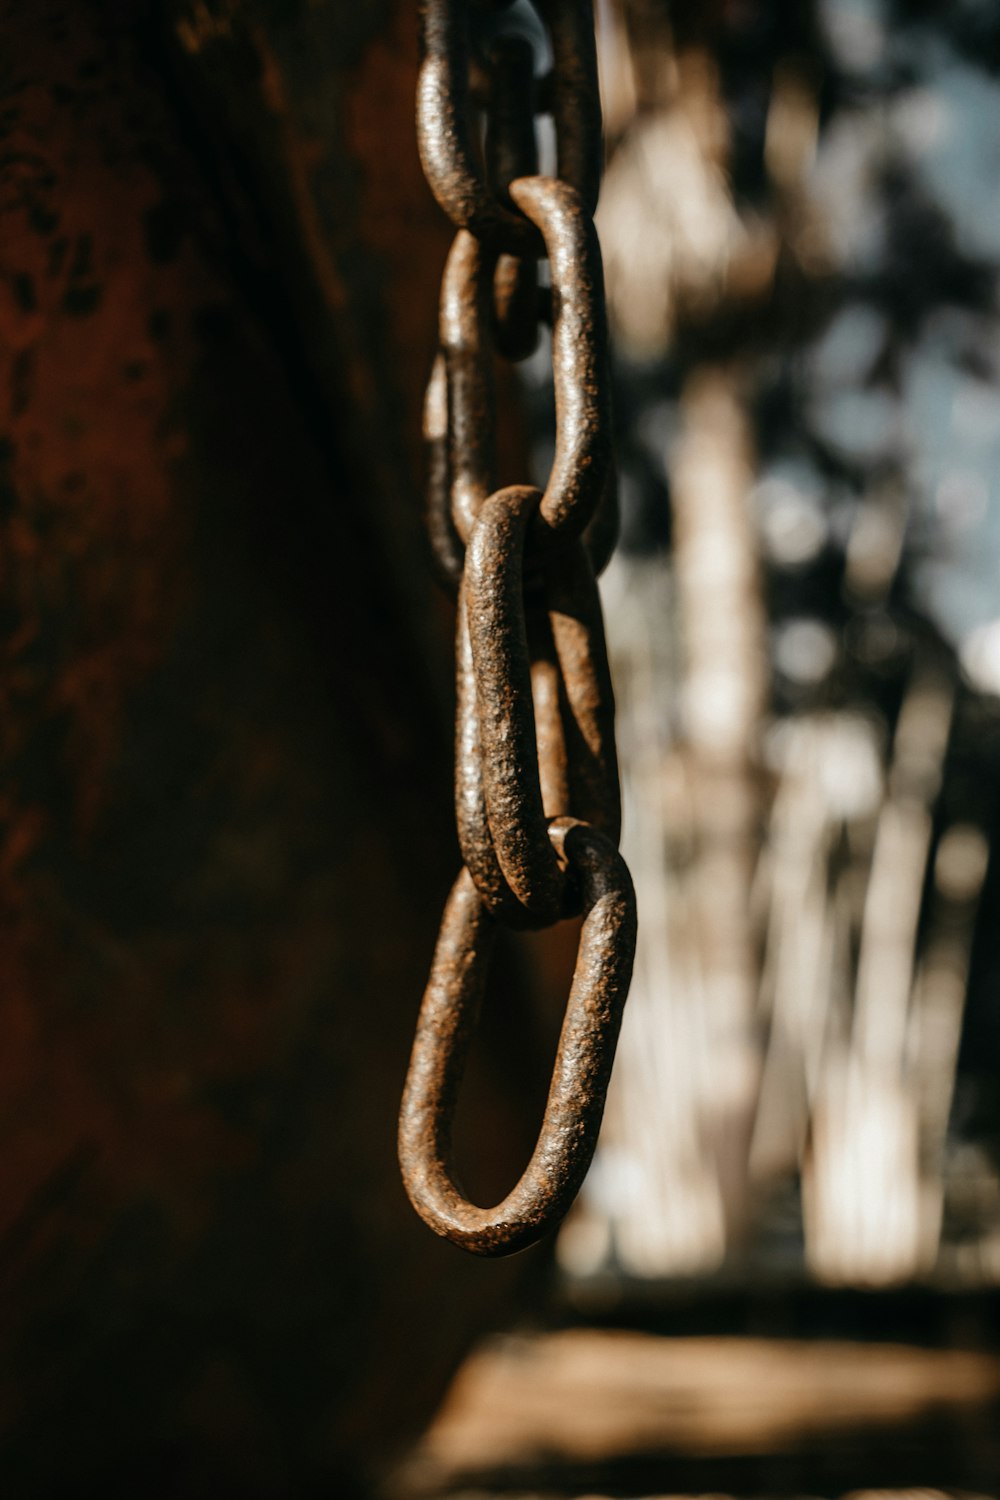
(536, 781)
(447, 140)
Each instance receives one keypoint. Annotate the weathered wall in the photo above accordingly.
(224, 784)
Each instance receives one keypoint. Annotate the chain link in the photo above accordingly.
(582, 1069)
(537, 795)
(511, 152)
(445, 121)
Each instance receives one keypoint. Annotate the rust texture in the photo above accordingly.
(445, 133)
(582, 1069)
(580, 471)
(511, 151)
(447, 549)
(460, 403)
(577, 627)
(537, 798)
(501, 671)
(224, 754)
(467, 346)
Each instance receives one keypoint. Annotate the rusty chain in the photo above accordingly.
(536, 782)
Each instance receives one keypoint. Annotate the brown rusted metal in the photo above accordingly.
(537, 799)
(503, 762)
(574, 614)
(224, 782)
(447, 549)
(445, 135)
(447, 139)
(466, 336)
(474, 836)
(575, 98)
(583, 1062)
(511, 151)
(579, 353)
(582, 488)
(570, 715)
(494, 600)
(547, 702)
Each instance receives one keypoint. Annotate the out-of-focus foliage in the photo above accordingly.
(802, 241)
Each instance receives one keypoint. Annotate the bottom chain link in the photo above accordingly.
(587, 1043)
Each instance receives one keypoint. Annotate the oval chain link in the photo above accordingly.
(445, 133)
(582, 1069)
(511, 151)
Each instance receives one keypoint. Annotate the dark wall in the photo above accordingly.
(225, 820)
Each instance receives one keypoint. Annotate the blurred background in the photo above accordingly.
(226, 830)
(802, 269)
(802, 257)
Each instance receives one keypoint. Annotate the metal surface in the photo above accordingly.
(466, 335)
(582, 1067)
(573, 606)
(448, 142)
(494, 600)
(511, 151)
(579, 353)
(537, 798)
(482, 308)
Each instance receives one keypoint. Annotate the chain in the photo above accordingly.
(536, 782)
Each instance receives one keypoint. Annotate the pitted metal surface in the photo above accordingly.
(537, 797)
(445, 119)
(582, 1069)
